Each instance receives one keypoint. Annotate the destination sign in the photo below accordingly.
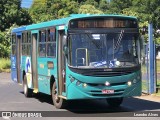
(103, 23)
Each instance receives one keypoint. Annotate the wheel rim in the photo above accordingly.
(57, 99)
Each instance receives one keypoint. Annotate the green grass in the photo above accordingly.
(145, 86)
(144, 68)
(5, 65)
(144, 82)
(158, 65)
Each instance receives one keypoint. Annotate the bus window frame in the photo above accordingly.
(41, 43)
(13, 44)
(26, 44)
(51, 42)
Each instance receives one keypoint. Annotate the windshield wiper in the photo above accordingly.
(119, 40)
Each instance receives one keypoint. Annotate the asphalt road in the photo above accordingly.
(13, 99)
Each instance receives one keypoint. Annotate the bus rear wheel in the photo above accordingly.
(114, 102)
(27, 91)
(57, 101)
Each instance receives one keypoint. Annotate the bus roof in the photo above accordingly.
(64, 21)
(19, 29)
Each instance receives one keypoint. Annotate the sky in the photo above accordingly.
(26, 3)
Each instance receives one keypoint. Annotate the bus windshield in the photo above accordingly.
(110, 50)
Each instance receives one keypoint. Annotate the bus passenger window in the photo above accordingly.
(51, 49)
(51, 43)
(42, 44)
(29, 37)
(43, 37)
(13, 44)
(42, 50)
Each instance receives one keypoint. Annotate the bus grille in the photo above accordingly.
(106, 74)
(111, 84)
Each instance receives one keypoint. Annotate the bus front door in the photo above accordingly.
(34, 62)
(61, 64)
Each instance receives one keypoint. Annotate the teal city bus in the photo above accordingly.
(79, 57)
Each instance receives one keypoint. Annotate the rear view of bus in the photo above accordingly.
(103, 57)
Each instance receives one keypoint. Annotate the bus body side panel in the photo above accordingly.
(16, 60)
(17, 32)
(26, 67)
(13, 68)
(45, 70)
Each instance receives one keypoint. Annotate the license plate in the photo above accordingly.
(108, 91)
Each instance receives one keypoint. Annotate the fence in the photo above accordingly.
(146, 75)
(150, 65)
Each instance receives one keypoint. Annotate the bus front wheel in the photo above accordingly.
(57, 101)
(114, 102)
(27, 91)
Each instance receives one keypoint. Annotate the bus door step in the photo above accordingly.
(61, 96)
(35, 90)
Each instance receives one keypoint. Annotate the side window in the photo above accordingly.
(23, 44)
(42, 43)
(51, 43)
(28, 36)
(26, 44)
(13, 44)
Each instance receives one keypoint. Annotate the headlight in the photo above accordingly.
(129, 83)
(84, 85)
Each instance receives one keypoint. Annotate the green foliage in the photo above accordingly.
(52, 9)
(157, 40)
(90, 2)
(5, 47)
(11, 12)
(5, 63)
(104, 6)
(85, 9)
(117, 6)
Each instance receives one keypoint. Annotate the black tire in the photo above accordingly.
(114, 102)
(57, 101)
(27, 91)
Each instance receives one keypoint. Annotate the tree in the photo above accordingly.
(104, 6)
(11, 12)
(89, 9)
(5, 38)
(52, 9)
(116, 6)
(90, 2)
